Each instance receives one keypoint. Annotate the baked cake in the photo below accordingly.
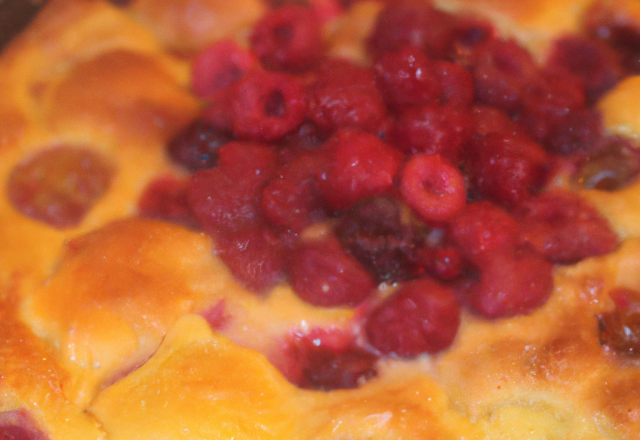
(323, 219)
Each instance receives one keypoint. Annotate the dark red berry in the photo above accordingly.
(288, 38)
(580, 132)
(511, 285)
(423, 316)
(501, 70)
(483, 229)
(406, 77)
(196, 147)
(447, 263)
(323, 274)
(218, 66)
(592, 60)
(266, 106)
(292, 200)
(227, 198)
(493, 120)
(563, 228)
(433, 188)
(506, 168)
(620, 328)
(255, 257)
(373, 232)
(433, 129)
(413, 23)
(344, 95)
(327, 359)
(359, 165)
(618, 30)
(456, 84)
(548, 100)
(166, 198)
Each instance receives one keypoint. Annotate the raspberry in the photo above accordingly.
(324, 275)
(345, 96)
(166, 198)
(288, 38)
(406, 77)
(359, 165)
(493, 120)
(433, 188)
(511, 285)
(447, 263)
(265, 105)
(227, 198)
(547, 101)
(618, 31)
(423, 316)
(373, 233)
(196, 147)
(219, 66)
(483, 229)
(433, 129)
(597, 64)
(327, 359)
(416, 23)
(564, 228)
(501, 69)
(456, 84)
(506, 168)
(292, 200)
(580, 133)
(255, 257)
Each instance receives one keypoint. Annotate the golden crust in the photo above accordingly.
(103, 333)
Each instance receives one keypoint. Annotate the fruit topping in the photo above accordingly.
(323, 274)
(344, 95)
(358, 165)
(59, 185)
(266, 105)
(196, 147)
(372, 231)
(432, 170)
(421, 317)
(19, 425)
(166, 198)
(433, 188)
(288, 38)
(406, 77)
(506, 168)
(327, 359)
(563, 228)
(219, 66)
(510, 284)
(620, 328)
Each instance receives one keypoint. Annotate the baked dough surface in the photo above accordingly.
(103, 333)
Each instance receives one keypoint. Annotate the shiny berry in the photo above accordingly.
(288, 38)
(218, 66)
(359, 165)
(196, 147)
(423, 316)
(433, 188)
(324, 275)
(265, 105)
(344, 95)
